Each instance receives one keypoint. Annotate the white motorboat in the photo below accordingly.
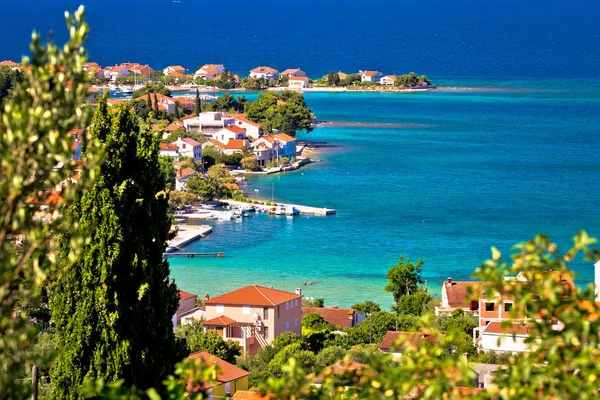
(126, 89)
(278, 210)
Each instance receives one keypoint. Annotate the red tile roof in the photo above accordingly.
(177, 68)
(7, 63)
(458, 292)
(186, 295)
(235, 129)
(497, 328)
(236, 144)
(168, 146)
(264, 69)
(299, 78)
(285, 138)
(370, 73)
(182, 173)
(191, 142)
(254, 295)
(242, 117)
(292, 71)
(226, 372)
(220, 321)
(400, 340)
(342, 317)
(215, 143)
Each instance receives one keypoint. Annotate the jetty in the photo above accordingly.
(187, 234)
(303, 209)
(218, 254)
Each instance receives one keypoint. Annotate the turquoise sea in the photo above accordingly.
(451, 174)
(445, 177)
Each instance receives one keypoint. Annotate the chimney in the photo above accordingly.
(351, 315)
(335, 307)
(299, 292)
(597, 279)
(449, 280)
(206, 297)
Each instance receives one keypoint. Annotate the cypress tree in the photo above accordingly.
(155, 105)
(197, 104)
(113, 308)
(149, 100)
(177, 105)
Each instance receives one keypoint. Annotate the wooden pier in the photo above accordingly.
(218, 254)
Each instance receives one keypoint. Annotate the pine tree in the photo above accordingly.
(113, 307)
(197, 104)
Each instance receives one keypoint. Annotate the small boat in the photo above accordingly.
(290, 210)
(126, 90)
(278, 210)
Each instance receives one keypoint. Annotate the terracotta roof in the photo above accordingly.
(215, 143)
(264, 69)
(342, 75)
(254, 295)
(76, 132)
(52, 198)
(7, 63)
(458, 292)
(114, 102)
(177, 68)
(268, 138)
(392, 77)
(236, 144)
(299, 78)
(182, 173)
(226, 372)
(248, 395)
(497, 328)
(235, 129)
(220, 321)
(232, 186)
(342, 367)
(284, 137)
(168, 146)
(186, 295)
(342, 317)
(173, 126)
(191, 142)
(370, 73)
(399, 340)
(209, 69)
(292, 71)
(242, 117)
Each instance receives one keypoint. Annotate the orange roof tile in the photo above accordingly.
(299, 78)
(264, 69)
(182, 173)
(236, 144)
(7, 63)
(254, 295)
(226, 372)
(215, 143)
(342, 317)
(235, 129)
(458, 292)
(400, 340)
(186, 295)
(370, 73)
(220, 321)
(242, 117)
(232, 186)
(168, 146)
(285, 138)
(497, 328)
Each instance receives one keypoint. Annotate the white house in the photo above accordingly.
(496, 338)
(388, 80)
(113, 72)
(209, 72)
(183, 175)
(252, 128)
(187, 308)
(170, 150)
(189, 148)
(298, 82)
(293, 73)
(264, 72)
(235, 146)
(228, 133)
(214, 143)
(174, 69)
(370, 76)
(208, 123)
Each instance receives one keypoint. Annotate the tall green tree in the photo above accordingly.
(113, 307)
(404, 278)
(156, 109)
(211, 342)
(177, 107)
(44, 109)
(197, 103)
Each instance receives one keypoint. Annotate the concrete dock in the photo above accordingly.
(302, 209)
(187, 234)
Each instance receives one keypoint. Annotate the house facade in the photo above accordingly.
(370, 76)
(187, 305)
(174, 69)
(459, 294)
(208, 122)
(254, 315)
(209, 72)
(229, 378)
(339, 317)
(183, 175)
(189, 148)
(235, 146)
(265, 72)
(300, 82)
(388, 80)
(286, 144)
(228, 133)
(115, 71)
(293, 73)
(252, 128)
(170, 150)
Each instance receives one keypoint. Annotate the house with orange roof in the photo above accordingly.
(459, 294)
(293, 73)
(208, 122)
(185, 103)
(170, 150)
(279, 145)
(264, 72)
(298, 82)
(189, 148)
(388, 80)
(227, 380)
(499, 338)
(252, 128)
(183, 175)
(342, 75)
(142, 70)
(396, 343)
(174, 69)
(338, 317)
(234, 146)
(112, 72)
(214, 143)
(286, 145)
(187, 309)
(228, 133)
(254, 315)
(370, 76)
(8, 63)
(209, 72)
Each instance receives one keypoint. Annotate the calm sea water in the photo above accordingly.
(470, 170)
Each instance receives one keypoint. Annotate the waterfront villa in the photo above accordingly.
(208, 122)
(265, 72)
(189, 148)
(286, 145)
(254, 315)
(229, 378)
(142, 70)
(228, 133)
(187, 307)
(209, 72)
(299, 82)
(170, 150)
(338, 317)
(293, 73)
(370, 76)
(262, 149)
(235, 146)
(183, 175)
(174, 69)
(388, 80)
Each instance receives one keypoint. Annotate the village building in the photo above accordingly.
(252, 128)
(459, 294)
(293, 73)
(209, 72)
(113, 72)
(173, 69)
(142, 70)
(264, 72)
(170, 150)
(187, 307)
(234, 146)
(370, 76)
(396, 343)
(338, 317)
(388, 80)
(254, 315)
(286, 145)
(342, 75)
(500, 339)
(183, 175)
(213, 143)
(189, 148)
(229, 378)
(299, 82)
(10, 64)
(263, 150)
(208, 123)
(228, 133)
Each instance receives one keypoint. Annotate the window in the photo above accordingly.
(277, 312)
(489, 306)
(266, 332)
(295, 321)
(296, 303)
(508, 307)
(220, 309)
(265, 313)
(245, 309)
(210, 394)
(228, 387)
(287, 325)
(287, 305)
